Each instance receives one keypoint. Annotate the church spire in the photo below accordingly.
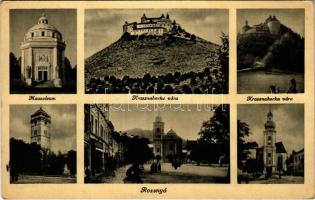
(270, 123)
(158, 118)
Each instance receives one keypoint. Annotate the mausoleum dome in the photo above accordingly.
(43, 30)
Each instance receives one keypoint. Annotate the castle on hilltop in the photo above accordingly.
(150, 26)
(271, 26)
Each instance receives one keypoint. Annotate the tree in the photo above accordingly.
(215, 135)
(206, 71)
(169, 78)
(224, 63)
(186, 89)
(168, 89)
(72, 161)
(25, 157)
(243, 147)
(193, 81)
(147, 78)
(177, 75)
(73, 74)
(68, 69)
(15, 67)
(193, 38)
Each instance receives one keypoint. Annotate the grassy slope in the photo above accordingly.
(155, 55)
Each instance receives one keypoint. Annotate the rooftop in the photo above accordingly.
(40, 111)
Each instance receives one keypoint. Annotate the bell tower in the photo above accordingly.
(40, 128)
(158, 132)
(270, 143)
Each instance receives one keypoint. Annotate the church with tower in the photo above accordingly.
(40, 128)
(272, 152)
(42, 55)
(165, 145)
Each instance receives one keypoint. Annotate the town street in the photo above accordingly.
(187, 173)
(44, 179)
(276, 180)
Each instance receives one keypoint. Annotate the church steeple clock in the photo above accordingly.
(270, 143)
(158, 132)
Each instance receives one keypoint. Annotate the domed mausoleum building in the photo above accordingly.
(42, 57)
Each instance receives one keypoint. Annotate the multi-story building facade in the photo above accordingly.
(97, 137)
(298, 162)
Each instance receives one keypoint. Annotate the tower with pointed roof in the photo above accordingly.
(42, 55)
(270, 143)
(40, 128)
(158, 133)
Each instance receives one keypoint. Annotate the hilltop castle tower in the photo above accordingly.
(40, 128)
(271, 27)
(158, 133)
(150, 26)
(42, 56)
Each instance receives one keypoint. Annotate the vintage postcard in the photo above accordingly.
(157, 99)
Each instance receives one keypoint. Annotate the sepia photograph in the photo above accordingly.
(270, 141)
(43, 51)
(164, 51)
(174, 143)
(42, 144)
(270, 51)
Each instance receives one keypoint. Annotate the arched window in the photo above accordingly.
(269, 140)
(95, 130)
(32, 34)
(92, 123)
(43, 33)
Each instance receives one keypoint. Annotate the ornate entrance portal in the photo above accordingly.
(42, 75)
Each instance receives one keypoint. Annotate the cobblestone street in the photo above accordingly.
(187, 173)
(277, 180)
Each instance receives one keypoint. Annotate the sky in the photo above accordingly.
(63, 124)
(103, 27)
(185, 120)
(289, 120)
(292, 18)
(65, 20)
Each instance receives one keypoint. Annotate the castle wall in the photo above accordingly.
(150, 26)
(151, 31)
